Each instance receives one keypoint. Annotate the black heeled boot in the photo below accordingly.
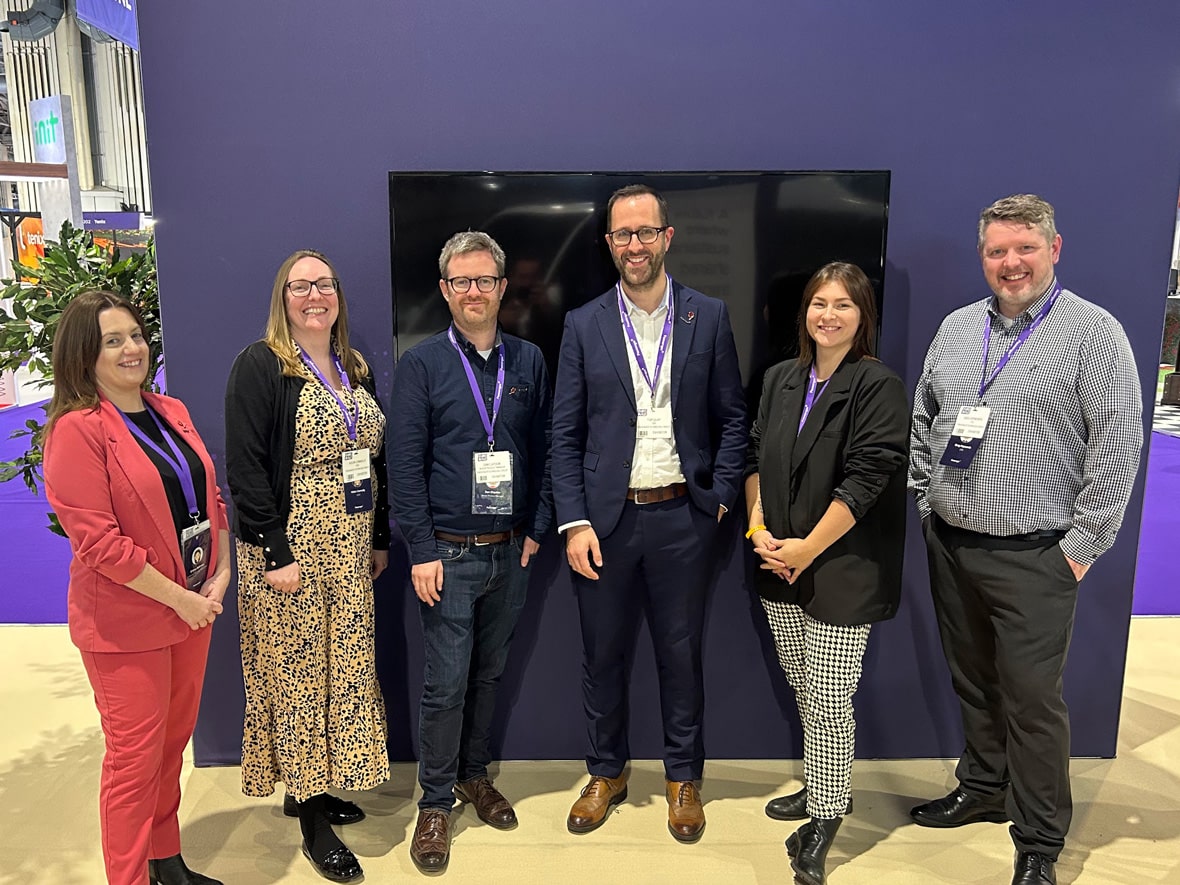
(172, 871)
(322, 847)
(808, 849)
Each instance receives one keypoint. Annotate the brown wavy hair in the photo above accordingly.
(278, 330)
(860, 290)
(76, 345)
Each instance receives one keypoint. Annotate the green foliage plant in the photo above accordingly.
(29, 312)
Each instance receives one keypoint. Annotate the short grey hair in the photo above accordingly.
(1020, 209)
(470, 241)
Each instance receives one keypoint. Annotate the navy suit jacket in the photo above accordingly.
(594, 410)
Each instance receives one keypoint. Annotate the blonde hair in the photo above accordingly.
(278, 330)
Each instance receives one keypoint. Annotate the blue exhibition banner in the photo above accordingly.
(114, 17)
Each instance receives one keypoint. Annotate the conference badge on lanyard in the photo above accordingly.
(651, 421)
(358, 480)
(966, 437)
(196, 540)
(491, 486)
(491, 471)
(355, 467)
(196, 547)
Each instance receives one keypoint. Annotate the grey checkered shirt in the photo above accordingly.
(1062, 446)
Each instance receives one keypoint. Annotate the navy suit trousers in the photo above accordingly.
(657, 561)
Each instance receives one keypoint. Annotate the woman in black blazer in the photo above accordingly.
(826, 498)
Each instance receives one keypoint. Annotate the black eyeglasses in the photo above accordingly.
(302, 288)
(646, 235)
(462, 285)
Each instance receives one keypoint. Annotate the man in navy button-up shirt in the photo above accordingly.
(468, 440)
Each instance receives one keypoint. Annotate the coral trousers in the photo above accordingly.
(148, 703)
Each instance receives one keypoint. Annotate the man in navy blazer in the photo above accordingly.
(649, 440)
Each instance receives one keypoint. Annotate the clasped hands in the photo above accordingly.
(785, 557)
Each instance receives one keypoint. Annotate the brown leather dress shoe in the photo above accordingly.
(589, 812)
(490, 805)
(686, 815)
(430, 849)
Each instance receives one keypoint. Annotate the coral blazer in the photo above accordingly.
(112, 504)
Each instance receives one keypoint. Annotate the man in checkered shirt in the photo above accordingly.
(1025, 443)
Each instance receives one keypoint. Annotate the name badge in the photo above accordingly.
(653, 423)
(356, 466)
(491, 483)
(196, 546)
(966, 437)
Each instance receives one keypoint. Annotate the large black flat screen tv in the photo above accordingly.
(750, 238)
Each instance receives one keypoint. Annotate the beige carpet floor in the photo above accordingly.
(1126, 824)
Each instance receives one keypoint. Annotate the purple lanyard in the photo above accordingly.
(351, 419)
(987, 379)
(489, 424)
(814, 389)
(176, 460)
(634, 339)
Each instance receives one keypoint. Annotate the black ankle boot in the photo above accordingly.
(172, 871)
(808, 849)
(330, 857)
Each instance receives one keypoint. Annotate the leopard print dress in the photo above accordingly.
(315, 718)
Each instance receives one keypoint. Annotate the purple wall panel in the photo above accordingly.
(35, 563)
(963, 104)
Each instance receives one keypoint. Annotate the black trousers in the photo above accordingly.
(1005, 614)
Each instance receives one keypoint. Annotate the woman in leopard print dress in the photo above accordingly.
(300, 411)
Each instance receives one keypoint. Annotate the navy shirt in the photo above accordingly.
(434, 427)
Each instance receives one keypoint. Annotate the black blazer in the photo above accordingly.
(854, 447)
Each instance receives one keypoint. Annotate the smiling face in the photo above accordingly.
(312, 316)
(122, 363)
(832, 318)
(1018, 263)
(640, 267)
(473, 311)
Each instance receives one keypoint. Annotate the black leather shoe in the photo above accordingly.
(959, 808)
(172, 871)
(808, 849)
(339, 812)
(1033, 869)
(794, 807)
(339, 864)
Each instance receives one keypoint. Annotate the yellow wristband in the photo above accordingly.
(756, 528)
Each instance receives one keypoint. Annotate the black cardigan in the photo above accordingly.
(854, 447)
(260, 409)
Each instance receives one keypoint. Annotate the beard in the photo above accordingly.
(643, 276)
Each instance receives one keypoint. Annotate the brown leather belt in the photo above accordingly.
(655, 496)
(479, 540)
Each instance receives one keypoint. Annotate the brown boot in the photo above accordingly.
(686, 816)
(589, 812)
(430, 849)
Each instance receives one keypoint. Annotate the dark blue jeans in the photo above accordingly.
(466, 636)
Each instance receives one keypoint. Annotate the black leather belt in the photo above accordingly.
(1045, 536)
(479, 540)
(655, 496)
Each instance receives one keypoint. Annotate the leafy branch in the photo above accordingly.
(29, 314)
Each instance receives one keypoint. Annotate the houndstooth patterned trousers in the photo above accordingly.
(822, 663)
